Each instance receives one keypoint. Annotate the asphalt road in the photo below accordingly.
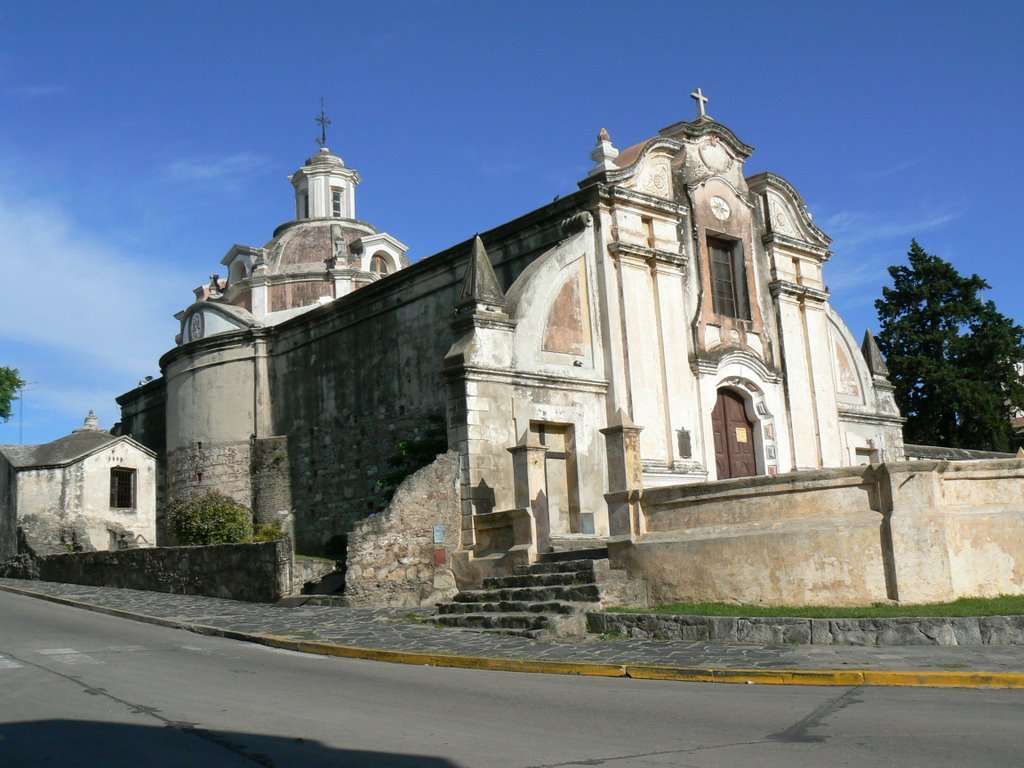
(83, 689)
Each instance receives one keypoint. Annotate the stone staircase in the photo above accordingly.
(549, 598)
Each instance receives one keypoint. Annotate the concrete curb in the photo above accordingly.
(822, 677)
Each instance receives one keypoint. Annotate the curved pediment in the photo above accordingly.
(647, 167)
(785, 212)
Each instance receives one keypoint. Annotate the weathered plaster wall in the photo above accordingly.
(69, 506)
(394, 557)
(259, 573)
(917, 532)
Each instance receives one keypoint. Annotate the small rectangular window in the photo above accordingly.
(122, 488)
(305, 206)
(728, 279)
(336, 203)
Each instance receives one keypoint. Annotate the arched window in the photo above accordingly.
(379, 265)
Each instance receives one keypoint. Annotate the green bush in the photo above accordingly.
(209, 518)
(271, 531)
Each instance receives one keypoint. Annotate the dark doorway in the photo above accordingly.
(734, 437)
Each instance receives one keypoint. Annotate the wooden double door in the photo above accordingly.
(734, 437)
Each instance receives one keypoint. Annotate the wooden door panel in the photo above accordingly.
(734, 437)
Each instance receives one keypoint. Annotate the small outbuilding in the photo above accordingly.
(89, 490)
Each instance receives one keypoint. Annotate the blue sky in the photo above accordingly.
(140, 140)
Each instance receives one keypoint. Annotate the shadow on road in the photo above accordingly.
(73, 743)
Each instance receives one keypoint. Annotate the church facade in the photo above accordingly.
(672, 310)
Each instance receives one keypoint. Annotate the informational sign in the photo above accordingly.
(741, 434)
(439, 534)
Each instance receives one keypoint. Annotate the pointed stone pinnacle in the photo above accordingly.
(873, 356)
(481, 285)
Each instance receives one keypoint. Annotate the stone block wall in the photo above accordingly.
(259, 573)
(335, 466)
(271, 480)
(205, 466)
(932, 630)
(394, 557)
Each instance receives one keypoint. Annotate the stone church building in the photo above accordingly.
(666, 324)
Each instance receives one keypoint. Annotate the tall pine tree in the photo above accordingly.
(953, 358)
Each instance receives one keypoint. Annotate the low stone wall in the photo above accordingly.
(913, 532)
(969, 630)
(260, 573)
(394, 557)
(310, 570)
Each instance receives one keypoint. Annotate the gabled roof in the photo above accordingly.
(64, 450)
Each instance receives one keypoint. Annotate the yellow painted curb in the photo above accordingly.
(824, 677)
(940, 679)
(444, 660)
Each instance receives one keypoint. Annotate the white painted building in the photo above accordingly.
(89, 490)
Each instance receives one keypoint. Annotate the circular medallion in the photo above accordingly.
(715, 157)
(195, 327)
(720, 208)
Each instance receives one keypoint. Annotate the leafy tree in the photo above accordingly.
(209, 518)
(952, 357)
(10, 383)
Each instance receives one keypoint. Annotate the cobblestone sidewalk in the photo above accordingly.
(396, 629)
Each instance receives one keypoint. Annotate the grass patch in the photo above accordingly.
(1005, 605)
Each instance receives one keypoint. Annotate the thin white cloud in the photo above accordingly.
(851, 229)
(79, 300)
(35, 91)
(882, 173)
(866, 244)
(219, 169)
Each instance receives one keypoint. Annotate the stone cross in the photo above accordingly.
(701, 100)
(323, 122)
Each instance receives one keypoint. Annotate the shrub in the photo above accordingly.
(271, 531)
(209, 518)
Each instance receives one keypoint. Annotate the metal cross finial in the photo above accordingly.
(323, 121)
(701, 100)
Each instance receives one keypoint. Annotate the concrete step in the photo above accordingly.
(575, 541)
(560, 566)
(516, 606)
(590, 553)
(565, 578)
(576, 593)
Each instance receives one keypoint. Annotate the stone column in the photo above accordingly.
(625, 478)
(531, 492)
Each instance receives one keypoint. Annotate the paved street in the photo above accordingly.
(391, 629)
(79, 688)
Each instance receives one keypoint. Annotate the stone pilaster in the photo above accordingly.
(531, 491)
(625, 477)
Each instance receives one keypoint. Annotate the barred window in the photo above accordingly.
(728, 279)
(122, 488)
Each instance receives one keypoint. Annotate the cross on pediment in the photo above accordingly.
(701, 100)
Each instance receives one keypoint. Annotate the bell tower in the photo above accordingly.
(324, 187)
